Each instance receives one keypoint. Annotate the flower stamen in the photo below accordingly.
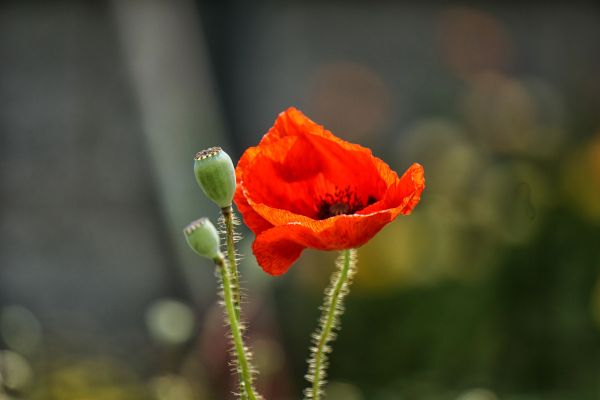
(341, 202)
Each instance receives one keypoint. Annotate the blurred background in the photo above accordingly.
(490, 290)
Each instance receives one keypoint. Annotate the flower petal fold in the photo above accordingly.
(277, 248)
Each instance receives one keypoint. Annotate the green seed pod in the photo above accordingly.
(203, 238)
(216, 175)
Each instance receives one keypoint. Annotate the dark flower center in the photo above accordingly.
(342, 201)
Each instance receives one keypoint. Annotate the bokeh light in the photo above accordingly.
(17, 374)
(477, 394)
(473, 41)
(511, 117)
(350, 98)
(170, 321)
(581, 179)
(172, 387)
(20, 329)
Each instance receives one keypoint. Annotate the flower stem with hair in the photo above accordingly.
(215, 175)
(229, 222)
(203, 238)
(300, 187)
(333, 308)
(242, 355)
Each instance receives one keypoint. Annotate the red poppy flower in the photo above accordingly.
(303, 187)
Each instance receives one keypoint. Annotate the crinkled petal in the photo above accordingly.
(274, 253)
(401, 198)
(277, 248)
(251, 218)
(403, 194)
(298, 162)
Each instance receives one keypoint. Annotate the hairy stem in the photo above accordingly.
(228, 221)
(241, 352)
(333, 308)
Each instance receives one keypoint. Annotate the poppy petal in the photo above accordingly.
(251, 218)
(277, 248)
(403, 194)
(283, 177)
(401, 198)
(274, 254)
(292, 185)
(297, 149)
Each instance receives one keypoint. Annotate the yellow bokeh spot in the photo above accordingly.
(581, 180)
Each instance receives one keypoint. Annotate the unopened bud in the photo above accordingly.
(203, 238)
(216, 175)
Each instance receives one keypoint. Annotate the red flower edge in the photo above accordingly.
(302, 187)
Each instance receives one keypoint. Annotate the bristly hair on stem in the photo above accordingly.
(227, 222)
(332, 308)
(240, 353)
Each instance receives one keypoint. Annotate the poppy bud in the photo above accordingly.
(202, 236)
(216, 175)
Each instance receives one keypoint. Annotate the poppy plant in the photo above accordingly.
(302, 187)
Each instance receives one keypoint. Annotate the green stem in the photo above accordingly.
(228, 222)
(232, 262)
(333, 308)
(243, 359)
